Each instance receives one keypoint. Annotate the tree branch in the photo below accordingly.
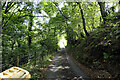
(10, 17)
(61, 11)
(31, 16)
(11, 7)
(3, 4)
(8, 5)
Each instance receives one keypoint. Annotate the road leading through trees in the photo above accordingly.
(63, 68)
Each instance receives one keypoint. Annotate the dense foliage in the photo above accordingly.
(31, 31)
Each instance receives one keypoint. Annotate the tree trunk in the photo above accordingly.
(13, 45)
(0, 19)
(102, 10)
(55, 31)
(17, 60)
(84, 25)
(30, 30)
(93, 27)
(35, 55)
(119, 6)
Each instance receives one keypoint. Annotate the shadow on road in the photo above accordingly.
(63, 68)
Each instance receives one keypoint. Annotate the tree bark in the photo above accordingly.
(84, 25)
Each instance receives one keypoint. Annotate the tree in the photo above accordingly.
(84, 24)
(102, 10)
(30, 25)
(119, 6)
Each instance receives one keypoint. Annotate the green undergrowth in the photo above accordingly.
(38, 71)
(101, 50)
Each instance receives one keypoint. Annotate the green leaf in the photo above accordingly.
(105, 55)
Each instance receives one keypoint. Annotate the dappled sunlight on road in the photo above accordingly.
(61, 68)
(55, 68)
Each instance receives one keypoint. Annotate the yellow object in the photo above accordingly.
(15, 73)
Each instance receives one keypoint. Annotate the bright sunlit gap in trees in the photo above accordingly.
(62, 42)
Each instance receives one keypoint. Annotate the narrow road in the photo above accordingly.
(63, 68)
